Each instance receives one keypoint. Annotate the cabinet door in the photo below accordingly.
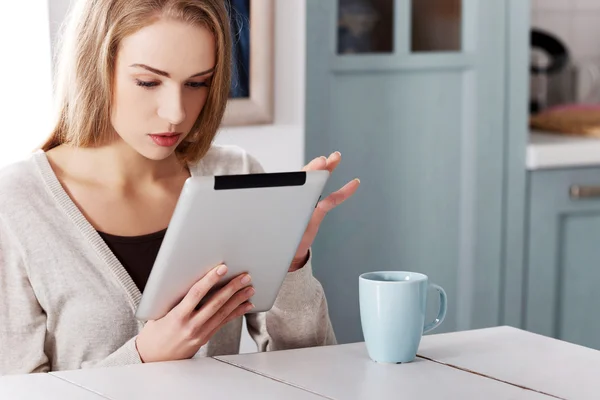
(414, 95)
(563, 269)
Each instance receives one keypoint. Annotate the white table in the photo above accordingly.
(543, 364)
(41, 386)
(346, 372)
(496, 363)
(204, 378)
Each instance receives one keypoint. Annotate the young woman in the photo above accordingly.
(143, 85)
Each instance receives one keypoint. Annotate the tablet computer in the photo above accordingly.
(251, 223)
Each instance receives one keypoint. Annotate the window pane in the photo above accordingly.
(436, 25)
(365, 26)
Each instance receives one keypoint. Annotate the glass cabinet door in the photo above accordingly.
(365, 26)
(436, 25)
(373, 26)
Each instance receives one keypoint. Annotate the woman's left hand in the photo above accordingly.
(323, 207)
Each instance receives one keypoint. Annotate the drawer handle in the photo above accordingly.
(584, 192)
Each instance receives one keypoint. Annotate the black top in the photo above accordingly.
(136, 253)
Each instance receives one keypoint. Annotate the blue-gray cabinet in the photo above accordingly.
(563, 255)
(428, 106)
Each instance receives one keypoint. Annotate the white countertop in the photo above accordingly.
(547, 150)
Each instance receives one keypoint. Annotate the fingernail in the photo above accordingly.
(357, 180)
(323, 158)
(250, 291)
(246, 279)
(222, 270)
(249, 307)
(338, 153)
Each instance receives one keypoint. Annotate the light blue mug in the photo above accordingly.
(392, 313)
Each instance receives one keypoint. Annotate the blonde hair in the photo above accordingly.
(86, 68)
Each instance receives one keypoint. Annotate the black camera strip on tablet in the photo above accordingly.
(279, 179)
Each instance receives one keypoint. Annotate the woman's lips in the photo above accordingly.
(165, 139)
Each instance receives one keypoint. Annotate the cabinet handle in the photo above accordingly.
(583, 192)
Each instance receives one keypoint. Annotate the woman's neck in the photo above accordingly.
(118, 166)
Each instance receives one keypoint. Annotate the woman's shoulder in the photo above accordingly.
(18, 177)
(227, 160)
(21, 184)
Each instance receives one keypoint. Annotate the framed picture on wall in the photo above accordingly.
(251, 97)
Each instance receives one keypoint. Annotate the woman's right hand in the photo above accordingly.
(181, 333)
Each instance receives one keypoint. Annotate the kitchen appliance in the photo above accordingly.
(556, 78)
(550, 58)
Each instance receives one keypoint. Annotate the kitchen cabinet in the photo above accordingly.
(563, 254)
(428, 106)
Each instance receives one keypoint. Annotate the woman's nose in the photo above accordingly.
(172, 108)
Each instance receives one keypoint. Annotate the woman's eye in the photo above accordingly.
(197, 85)
(146, 84)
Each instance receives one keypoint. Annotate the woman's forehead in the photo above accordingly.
(175, 47)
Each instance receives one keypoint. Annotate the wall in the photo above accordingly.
(26, 80)
(279, 147)
(577, 22)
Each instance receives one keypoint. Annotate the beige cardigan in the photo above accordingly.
(67, 303)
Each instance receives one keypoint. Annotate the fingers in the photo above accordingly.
(333, 161)
(316, 164)
(223, 302)
(199, 290)
(321, 163)
(236, 313)
(338, 197)
(325, 206)
(236, 307)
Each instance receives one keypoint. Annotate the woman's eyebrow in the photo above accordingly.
(166, 74)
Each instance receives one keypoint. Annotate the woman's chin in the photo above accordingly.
(156, 153)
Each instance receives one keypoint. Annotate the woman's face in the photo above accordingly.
(161, 83)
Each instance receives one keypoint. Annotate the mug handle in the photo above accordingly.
(442, 312)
